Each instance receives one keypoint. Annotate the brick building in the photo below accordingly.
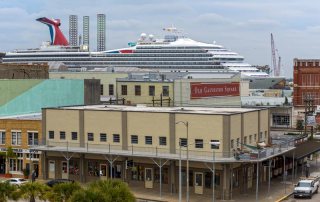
(306, 79)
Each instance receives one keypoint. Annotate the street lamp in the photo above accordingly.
(186, 124)
(217, 144)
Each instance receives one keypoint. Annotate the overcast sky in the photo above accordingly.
(243, 26)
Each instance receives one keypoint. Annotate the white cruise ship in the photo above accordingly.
(173, 52)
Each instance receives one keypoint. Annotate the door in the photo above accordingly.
(36, 169)
(198, 185)
(52, 170)
(64, 170)
(103, 171)
(148, 178)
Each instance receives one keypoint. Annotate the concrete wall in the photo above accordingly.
(145, 98)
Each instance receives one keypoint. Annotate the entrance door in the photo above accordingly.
(148, 178)
(64, 170)
(52, 170)
(36, 168)
(103, 171)
(198, 186)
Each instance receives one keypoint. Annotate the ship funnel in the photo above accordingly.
(56, 36)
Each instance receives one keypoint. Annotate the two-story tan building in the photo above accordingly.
(20, 132)
(86, 143)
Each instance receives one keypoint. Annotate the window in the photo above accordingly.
(101, 89)
(238, 142)
(62, 135)
(281, 119)
(137, 90)
(116, 138)
(16, 138)
(134, 139)
(111, 91)
(148, 140)
(260, 136)
(198, 143)
(165, 90)
(163, 141)
(103, 137)
(15, 164)
(90, 137)
(265, 135)
(215, 146)
(124, 90)
(74, 135)
(250, 139)
(2, 137)
(151, 90)
(245, 140)
(33, 138)
(231, 144)
(51, 134)
(255, 137)
(183, 142)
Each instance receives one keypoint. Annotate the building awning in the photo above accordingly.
(304, 149)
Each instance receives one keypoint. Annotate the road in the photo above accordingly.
(315, 198)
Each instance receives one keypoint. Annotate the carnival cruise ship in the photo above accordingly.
(172, 52)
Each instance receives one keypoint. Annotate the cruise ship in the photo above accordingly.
(174, 52)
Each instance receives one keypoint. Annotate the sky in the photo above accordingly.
(243, 26)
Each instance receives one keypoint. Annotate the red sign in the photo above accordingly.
(202, 90)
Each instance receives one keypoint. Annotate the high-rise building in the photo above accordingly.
(73, 30)
(86, 30)
(101, 32)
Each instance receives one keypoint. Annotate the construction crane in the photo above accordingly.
(273, 56)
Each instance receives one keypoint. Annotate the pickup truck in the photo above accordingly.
(306, 187)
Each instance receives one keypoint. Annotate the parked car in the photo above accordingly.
(51, 183)
(17, 181)
(316, 136)
(307, 187)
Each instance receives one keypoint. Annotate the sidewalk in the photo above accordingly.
(278, 189)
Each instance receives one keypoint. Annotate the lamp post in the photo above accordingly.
(213, 168)
(186, 124)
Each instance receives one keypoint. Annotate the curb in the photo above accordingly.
(284, 197)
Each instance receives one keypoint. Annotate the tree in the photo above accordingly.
(286, 102)
(8, 154)
(33, 190)
(63, 191)
(299, 124)
(104, 191)
(6, 191)
(88, 196)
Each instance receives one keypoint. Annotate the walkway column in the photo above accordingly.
(226, 195)
(172, 177)
(44, 164)
(81, 168)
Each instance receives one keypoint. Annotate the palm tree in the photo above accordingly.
(114, 190)
(33, 190)
(63, 191)
(6, 191)
(88, 196)
(104, 191)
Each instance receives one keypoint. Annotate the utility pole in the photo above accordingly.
(308, 110)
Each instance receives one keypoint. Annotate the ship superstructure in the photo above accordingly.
(172, 52)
